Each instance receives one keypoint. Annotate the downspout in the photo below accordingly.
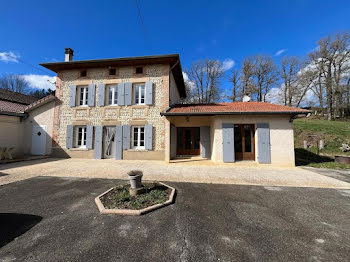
(171, 69)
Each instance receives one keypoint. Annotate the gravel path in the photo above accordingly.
(176, 172)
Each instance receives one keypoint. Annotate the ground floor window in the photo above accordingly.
(138, 137)
(80, 139)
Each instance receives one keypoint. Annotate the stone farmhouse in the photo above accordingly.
(130, 108)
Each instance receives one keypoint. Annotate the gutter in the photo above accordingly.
(6, 113)
(166, 113)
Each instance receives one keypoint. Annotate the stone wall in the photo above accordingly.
(123, 115)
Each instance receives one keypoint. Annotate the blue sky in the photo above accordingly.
(38, 31)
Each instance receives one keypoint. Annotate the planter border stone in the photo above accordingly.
(133, 212)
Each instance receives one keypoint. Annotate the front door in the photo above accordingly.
(244, 142)
(188, 141)
(109, 141)
(38, 140)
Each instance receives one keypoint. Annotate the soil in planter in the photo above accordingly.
(120, 198)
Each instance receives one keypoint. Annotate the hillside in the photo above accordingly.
(334, 134)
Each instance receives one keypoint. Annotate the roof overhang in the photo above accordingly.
(171, 59)
(293, 113)
(6, 113)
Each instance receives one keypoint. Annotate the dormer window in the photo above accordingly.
(83, 73)
(139, 70)
(112, 71)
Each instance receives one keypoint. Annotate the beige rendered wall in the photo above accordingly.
(281, 137)
(42, 115)
(11, 134)
(121, 115)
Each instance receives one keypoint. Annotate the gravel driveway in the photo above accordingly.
(56, 219)
(176, 172)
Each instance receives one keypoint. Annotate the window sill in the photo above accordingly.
(137, 150)
(79, 149)
(112, 106)
(139, 106)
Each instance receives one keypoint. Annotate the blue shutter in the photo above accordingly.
(149, 93)
(91, 96)
(72, 94)
(126, 137)
(148, 136)
(89, 134)
(98, 142)
(205, 141)
(101, 94)
(69, 136)
(119, 142)
(228, 151)
(121, 94)
(128, 93)
(264, 147)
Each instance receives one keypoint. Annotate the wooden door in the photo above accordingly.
(244, 142)
(188, 139)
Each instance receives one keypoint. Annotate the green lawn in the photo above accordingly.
(334, 133)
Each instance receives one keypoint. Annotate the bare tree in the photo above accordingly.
(265, 75)
(15, 83)
(290, 67)
(234, 78)
(205, 76)
(332, 59)
(247, 74)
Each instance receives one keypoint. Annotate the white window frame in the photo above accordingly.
(84, 100)
(138, 94)
(114, 93)
(138, 146)
(83, 138)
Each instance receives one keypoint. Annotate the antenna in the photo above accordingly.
(246, 98)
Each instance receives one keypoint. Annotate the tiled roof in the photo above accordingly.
(16, 97)
(6, 106)
(233, 108)
(40, 102)
(22, 106)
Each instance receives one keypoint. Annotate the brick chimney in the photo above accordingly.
(68, 54)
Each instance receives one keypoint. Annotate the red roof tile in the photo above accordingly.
(234, 108)
(16, 97)
(6, 106)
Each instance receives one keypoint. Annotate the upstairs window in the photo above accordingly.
(83, 95)
(139, 70)
(138, 137)
(113, 95)
(83, 73)
(139, 91)
(80, 136)
(112, 71)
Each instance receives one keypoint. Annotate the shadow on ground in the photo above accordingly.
(13, 225)
(304, 157)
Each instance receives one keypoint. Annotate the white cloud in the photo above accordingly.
(280, 52)
(227, 64)
(9, 57)
(41, 81)
(187, 80)
(274, 95)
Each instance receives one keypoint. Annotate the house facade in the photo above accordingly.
(128, 108)
(26, 124)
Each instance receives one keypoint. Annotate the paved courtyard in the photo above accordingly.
(176, 172)
(55, 219)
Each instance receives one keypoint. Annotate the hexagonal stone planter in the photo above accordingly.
(135, 212)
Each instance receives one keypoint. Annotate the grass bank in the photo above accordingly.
(334, 134)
